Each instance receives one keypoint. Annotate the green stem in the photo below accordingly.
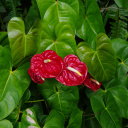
(34, 101)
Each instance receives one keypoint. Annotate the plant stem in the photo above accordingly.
(34, 101)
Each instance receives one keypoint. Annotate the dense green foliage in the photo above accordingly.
(94, 30)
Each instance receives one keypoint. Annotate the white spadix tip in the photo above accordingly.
(74, 70)
(46, 61)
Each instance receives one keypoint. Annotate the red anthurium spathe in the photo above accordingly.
(91, 83)
(74, 71)
(35, 78)
(47, 65)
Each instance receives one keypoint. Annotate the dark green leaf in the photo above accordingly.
(13, 83)
(101, 61)
(121, 49)
(53, 12)
(75, 119)
(122, 3)
(64, 42)
(22, 45)
(119, 93)
(60, 97)
(55, 120)
(90, 22)
(4, 38)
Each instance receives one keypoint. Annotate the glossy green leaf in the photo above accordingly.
(5, 124)
(108, 115)
(55, 11)
(60, 97)
(4, 38)
(22, 45)
(13, 83)
(28, 119)
(101, 61)
(90, 22)
(64, 43)
(122, 3)
(55, 120)
(119, 93)
(75, 119)
(121, 49)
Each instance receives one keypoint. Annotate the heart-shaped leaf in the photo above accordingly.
(107, 113)
(119, 93)
(121, 49)
(101, 62)
(89, 24)
(12, 84)
(75, 119)
(5, 124)
(55, 120)
(28, 119)
(59, 96)
(55, 11)
(22, 45)
(64, 43)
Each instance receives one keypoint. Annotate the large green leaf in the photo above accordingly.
(29, 119)
(5, 124)
(22, 45)
(122, 3)
(108, 115)
(4, 38)
(119, 93)
(90, 22)
(101, 61)
(121, 49)
(60, 97)
(12, 83)
(55, 11)
(75, 119)
(55, 120)
(64, 42)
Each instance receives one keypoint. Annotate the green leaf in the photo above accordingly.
(5, 124)
(22, 45)
(108, 112)
(29, 119)
(13, 83)
(55, 120)
(60, 97)
(90, 23)
(121, 47)
(4, 38)
(122, 3)
(55, 11)
(64, 43)
(75, 119)
(119, 93)
(101, 61)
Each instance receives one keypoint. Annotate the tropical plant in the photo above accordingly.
(63, 64)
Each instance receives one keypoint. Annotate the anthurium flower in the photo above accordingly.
(35, 78)
(74, 71)
(47, 65)
(91, 83)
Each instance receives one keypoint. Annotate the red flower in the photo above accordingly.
(74, 71)
(91, 83)
(47, 65)
(35, 78)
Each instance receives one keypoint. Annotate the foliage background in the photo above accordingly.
(96, 30)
